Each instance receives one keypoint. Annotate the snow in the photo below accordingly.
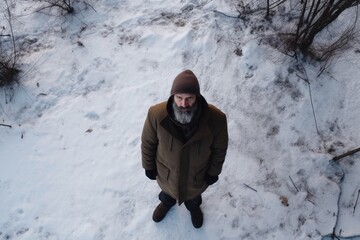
(71, 163)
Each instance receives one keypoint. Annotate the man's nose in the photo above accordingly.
(184, 103)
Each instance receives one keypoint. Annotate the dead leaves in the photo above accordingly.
(284, 200)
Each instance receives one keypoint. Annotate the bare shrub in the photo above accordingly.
(62, 7)
(65, 6)
(312, 21)
(8, 73)
(9, 54)
(319, 29)
(315, 16)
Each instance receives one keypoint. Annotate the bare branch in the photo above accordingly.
(250, 187)
(346, 154)
(294, 184)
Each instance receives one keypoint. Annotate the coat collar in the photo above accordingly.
(203, 129)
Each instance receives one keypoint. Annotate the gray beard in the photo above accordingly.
(184, 117)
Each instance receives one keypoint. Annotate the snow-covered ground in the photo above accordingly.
(70, 165)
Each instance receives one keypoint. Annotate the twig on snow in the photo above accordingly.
(309, 195)
(216, 11)
(88, 4)
(294, 184)
(5, 125)
(306, 79)
(333, 235)
(357, 199)
(310, 201)
(250, 187)
(346, 154)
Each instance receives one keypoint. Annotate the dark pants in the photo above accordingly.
(170, 201)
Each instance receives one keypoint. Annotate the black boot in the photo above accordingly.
(160, 212)
(197, 218)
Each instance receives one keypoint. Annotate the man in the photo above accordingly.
(184, 143)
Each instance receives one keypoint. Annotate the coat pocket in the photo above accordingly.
(163, 171)
(200, 175)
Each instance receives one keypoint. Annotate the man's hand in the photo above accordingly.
(151, 174)
(211, 179)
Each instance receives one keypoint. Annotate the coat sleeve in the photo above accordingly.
(149, 142)
(219, 147)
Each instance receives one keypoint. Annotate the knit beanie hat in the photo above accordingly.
(185, 82)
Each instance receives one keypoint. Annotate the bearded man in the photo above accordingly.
(183, 145)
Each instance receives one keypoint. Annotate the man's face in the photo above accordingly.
(184, 100)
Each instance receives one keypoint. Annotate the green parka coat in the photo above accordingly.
(182, 165)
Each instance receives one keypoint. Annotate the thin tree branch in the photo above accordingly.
(216, 11)
(294, 184)
(9, 19)
(310, 94)
(250, 187)
(356, 201)
(336, 158)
